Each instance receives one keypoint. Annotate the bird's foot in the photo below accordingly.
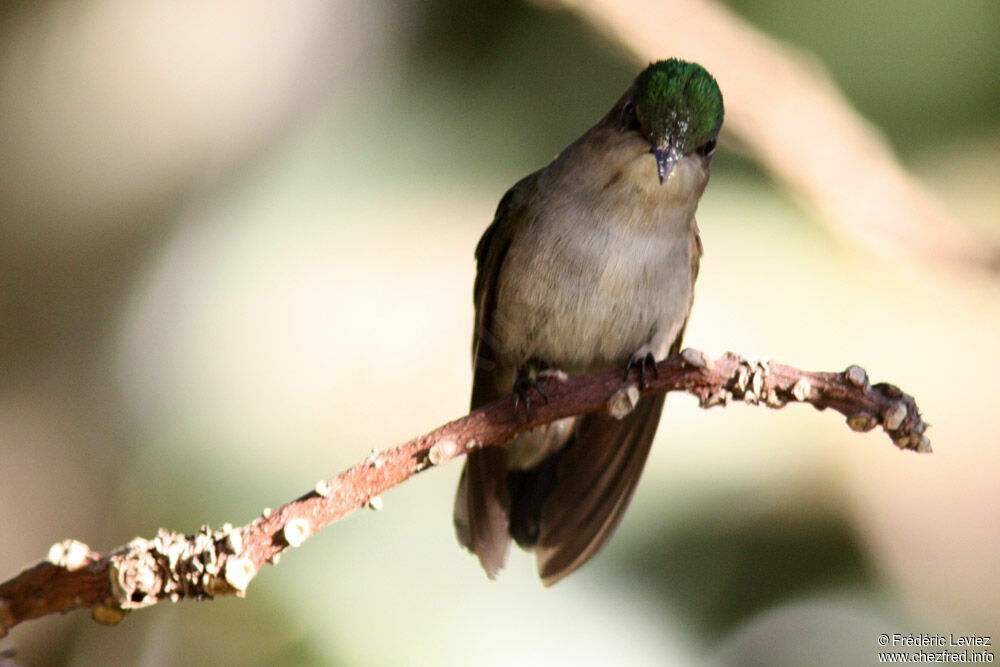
(522, 396)
(644, 361)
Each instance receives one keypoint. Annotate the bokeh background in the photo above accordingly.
(236, 255)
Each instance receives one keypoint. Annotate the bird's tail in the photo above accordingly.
(568, 506)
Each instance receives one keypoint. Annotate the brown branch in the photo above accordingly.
(210, 563)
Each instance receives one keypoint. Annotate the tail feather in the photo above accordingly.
(597, 476)
(529, 490)
(481, 508)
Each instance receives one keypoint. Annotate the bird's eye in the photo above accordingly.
(707, 148)
(629, 119)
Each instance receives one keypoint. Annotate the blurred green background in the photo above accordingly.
(236, 255)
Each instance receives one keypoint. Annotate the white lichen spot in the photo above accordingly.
(266, 513)
(856, 376)
(239, 572)
(623, 401)
(757, 382)
(894, 415)
(442, 451)
(296, 531)
(324, 488)
(801, 389)
(695, 358)
(70, 554)
(742, 378)
(375, 503)
(234, 542)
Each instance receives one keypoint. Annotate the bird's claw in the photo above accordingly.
(643, 362)
(522, 387)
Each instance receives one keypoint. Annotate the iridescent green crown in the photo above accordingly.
(678, 98)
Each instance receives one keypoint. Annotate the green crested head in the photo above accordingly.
(678, 108)
(678, 99)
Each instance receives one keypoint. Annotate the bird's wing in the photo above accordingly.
(490, 254)
(483, 500)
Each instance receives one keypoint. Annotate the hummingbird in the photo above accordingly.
(588, 266)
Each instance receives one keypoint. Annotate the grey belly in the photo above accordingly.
(585, 317)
